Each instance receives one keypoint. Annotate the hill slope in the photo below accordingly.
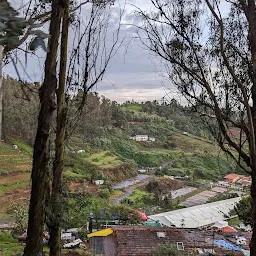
(15, 166)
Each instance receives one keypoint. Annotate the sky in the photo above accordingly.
(133, 73)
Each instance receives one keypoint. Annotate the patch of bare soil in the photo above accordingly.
(85, 186)
(9, 198)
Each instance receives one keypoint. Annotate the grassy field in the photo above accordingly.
(15, 166)
(133, 107)
(13, 160)
(9, 246)
(104, 160)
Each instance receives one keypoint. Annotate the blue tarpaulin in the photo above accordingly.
(227, 245)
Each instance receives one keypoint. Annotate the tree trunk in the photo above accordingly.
(253, 202)
(1, 91)
(56, 196)
(251, 17)
(41, 155)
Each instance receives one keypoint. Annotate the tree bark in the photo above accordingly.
(56, 196)
(251, 17)
(1, 91)
(253, 202)
(41, 155)
(1, 83)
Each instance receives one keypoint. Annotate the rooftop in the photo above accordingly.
(140, 240)
(196, 216)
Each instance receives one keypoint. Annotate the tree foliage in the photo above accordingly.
(210, 56)
(243, 210)
(166, 250)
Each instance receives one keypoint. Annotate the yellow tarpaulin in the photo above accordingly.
(104, 232)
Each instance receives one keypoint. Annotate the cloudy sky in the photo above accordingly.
(133, 73)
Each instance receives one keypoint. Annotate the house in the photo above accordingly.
(141, 137)
(238, 181)
(141, 240)
(232, 178)
(134, 240)
(222, 226)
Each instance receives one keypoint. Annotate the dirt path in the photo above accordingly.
(129, 190)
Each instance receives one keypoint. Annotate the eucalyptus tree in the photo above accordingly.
(41, 154)
(87, 64)
(80, 71)
(209, 49)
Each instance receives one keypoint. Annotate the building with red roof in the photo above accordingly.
(240, 180)
(232, 178)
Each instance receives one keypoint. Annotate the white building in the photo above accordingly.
(141, 137)
(196, 216)
(99, 182)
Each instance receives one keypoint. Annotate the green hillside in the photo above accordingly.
(15, 167)
(99, 146)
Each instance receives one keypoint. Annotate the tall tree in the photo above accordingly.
(41, 155)
(56, 193)
(209, 48)
(90, 61)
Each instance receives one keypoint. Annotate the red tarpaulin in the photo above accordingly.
(142, 215)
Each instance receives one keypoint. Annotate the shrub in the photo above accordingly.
(166, 250)
(21, 216)
(3, 172)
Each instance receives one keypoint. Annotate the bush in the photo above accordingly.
(21, 216)
(104, 193)
(166, 250)
(3, 172)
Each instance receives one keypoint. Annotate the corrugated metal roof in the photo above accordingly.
(196, 216)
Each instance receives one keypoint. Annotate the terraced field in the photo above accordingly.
(15, 166)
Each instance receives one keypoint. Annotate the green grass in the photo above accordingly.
(191, 143)
(104, 159)
(138, 194)
(71, 174)
(133, 107)
(14, 186)
(8, 245)
(12, 160)
(234, 221)
(203, 181)
(23, 147)
(138, 197)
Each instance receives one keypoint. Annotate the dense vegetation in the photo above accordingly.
(98, 146)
